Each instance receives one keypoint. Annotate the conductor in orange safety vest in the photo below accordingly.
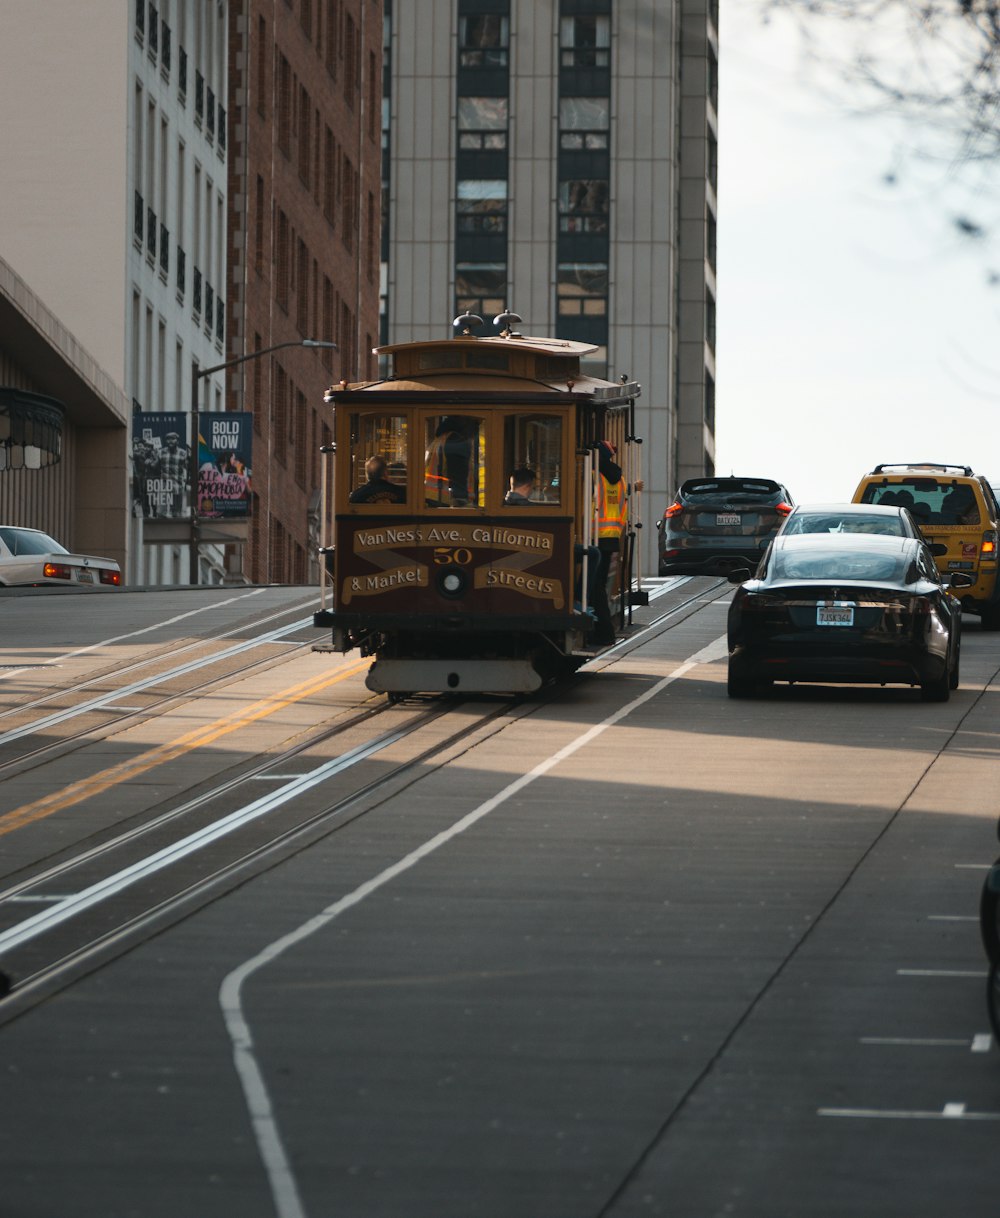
(612, 517)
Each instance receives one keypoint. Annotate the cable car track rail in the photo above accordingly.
(121, 718)
(199, 831)
(38, 980)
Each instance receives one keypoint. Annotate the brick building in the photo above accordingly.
(305, 80)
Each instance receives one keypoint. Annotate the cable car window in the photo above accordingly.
(378, 459)
(480, 358)
(439, 359)
(533, 444)
(455, 461)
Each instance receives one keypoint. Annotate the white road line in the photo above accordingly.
(952, 918)
(102, 701)
(940, 972)
(950, 1112)
(68, 907)
(982, 1042)
(132, 634)
(929, 1042)
(972, 866)
(284, 1188)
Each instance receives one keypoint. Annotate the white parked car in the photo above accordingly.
(31, 558)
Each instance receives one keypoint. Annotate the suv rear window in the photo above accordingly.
(728, 487)
(930, 501)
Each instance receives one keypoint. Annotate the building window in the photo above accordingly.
(302, 287)
(709, 401)
(258, 228)
(710, 319)
(280, 413)
(584, 42)
(482, 205)
(305, 137)
(284, 104)
(481, 288)
(583, 206)
(283, 259)
(583, 289)
(482, 123)
(348, 202)
(483, 40)
(351, 54)
(584, 122)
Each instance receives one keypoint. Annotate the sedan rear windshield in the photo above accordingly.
(27, 541)
(869, 566)
(855, 522)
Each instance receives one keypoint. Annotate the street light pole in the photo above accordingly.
(197, 373)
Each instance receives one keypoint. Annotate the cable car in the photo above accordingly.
(435, 565)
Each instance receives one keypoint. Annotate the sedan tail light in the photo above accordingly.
(56, 570)
(111, 577)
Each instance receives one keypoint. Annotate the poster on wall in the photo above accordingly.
(224, 462)
(161, 466)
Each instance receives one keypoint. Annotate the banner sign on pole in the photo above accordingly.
(225, 450)
(161, 466)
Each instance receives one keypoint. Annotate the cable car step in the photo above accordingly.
(453, 676)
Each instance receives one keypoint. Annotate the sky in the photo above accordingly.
(855, 325)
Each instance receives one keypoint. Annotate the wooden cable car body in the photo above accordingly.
(454, 589)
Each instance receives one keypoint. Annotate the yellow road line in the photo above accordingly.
(77, 792)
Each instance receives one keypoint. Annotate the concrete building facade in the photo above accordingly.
(113, 218)
(557, 157)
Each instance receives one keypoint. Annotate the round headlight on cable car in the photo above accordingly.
(451, 583)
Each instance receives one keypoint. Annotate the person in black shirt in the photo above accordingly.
(378, 488)
(522, 483)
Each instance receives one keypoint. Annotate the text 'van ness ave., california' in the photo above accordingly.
(387, 537)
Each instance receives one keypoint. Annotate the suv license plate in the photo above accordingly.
(728, 518)
(834, 613)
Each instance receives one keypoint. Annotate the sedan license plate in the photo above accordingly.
(84, 577)
(728, 518)
(834, 613)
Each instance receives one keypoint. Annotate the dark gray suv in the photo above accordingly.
(715, 525)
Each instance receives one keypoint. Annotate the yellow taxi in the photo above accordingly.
(958, 515)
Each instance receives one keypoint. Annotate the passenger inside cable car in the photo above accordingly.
(522, 487)
(378, 488)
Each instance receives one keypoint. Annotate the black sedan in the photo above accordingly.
(717, 524)
(849, 518)
(847, 608)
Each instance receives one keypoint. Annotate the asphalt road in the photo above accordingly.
(640, 950)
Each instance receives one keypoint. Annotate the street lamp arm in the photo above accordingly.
(242, 359)
(196, 375)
